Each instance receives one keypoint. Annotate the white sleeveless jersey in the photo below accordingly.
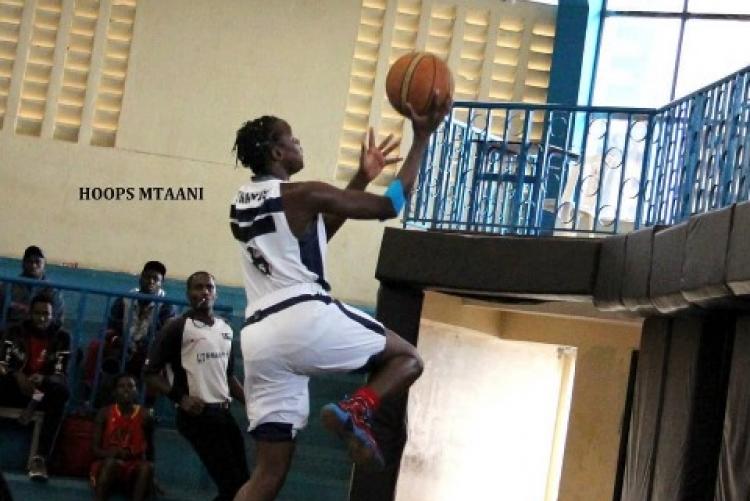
(272, 257)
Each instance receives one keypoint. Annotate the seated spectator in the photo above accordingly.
(32, 265)
(123, 445)
(34, 356)
(129, 324)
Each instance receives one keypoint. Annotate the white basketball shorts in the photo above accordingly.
(291, 338)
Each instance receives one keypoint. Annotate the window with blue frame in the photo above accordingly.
(654, 51)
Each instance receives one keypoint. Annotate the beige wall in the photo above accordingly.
(198, 69)
(601, 373)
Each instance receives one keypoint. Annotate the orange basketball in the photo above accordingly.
(412, 79)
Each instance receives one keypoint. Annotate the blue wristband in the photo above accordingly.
(395, 192)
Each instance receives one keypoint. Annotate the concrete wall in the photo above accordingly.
(197, 70)
(601, 375)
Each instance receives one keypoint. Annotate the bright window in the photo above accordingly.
(704, 40)
(719, 6)
(636, 71)
(654, 51)
(649, 5)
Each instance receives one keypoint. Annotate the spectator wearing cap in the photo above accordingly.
(131, 324)
(32, 266)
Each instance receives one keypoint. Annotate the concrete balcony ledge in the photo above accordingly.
(540, 268)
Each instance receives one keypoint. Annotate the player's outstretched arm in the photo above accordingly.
(423, 126)
(372, 160)
(315, 197)
(303, 202)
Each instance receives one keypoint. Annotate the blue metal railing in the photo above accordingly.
(541, 169)
(87, 318)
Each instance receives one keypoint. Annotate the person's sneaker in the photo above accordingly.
(349, 419)
(38, 469)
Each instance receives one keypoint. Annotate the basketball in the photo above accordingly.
(413, 78)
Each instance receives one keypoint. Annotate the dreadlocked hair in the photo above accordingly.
(254, 140)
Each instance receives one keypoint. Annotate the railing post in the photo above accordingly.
(520, 172)
(75, 342)
(99, 362)
(602, 172)
(480, 149)
(692, 152)
(643, 181)
(732, 129)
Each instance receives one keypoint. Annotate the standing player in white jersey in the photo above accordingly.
(294, 329)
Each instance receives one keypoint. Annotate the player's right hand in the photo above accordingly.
(191, 405)
(424, 125)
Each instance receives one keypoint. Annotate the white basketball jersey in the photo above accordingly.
(272, 257)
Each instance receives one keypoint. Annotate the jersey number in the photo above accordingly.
(260, 262)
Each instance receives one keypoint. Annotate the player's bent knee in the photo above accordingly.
(395, 346)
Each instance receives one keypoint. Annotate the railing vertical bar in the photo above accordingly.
(581, 169)
(75, 342)
(602, 172)
(461, 170)
(520, 172)
(623, 168)
(541, 175)
(643, 181)
(727, 194)
(102, 338)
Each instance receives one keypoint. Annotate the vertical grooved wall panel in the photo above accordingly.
(10, 25)
(63, 65)
(39, 63)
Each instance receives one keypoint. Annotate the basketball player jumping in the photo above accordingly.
(294, 329)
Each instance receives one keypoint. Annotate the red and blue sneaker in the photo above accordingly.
(350, 420)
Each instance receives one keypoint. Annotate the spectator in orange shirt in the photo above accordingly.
(123, 445)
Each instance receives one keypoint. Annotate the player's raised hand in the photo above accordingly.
(372, 159)
(425, 124)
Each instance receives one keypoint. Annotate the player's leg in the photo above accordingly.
(394, 365)
(277, 399)
(272, 463)
(392, 372)
(396, 368)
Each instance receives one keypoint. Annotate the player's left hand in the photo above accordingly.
(372, 159)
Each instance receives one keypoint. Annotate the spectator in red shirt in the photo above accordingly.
(123, 444)
(33, 367)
